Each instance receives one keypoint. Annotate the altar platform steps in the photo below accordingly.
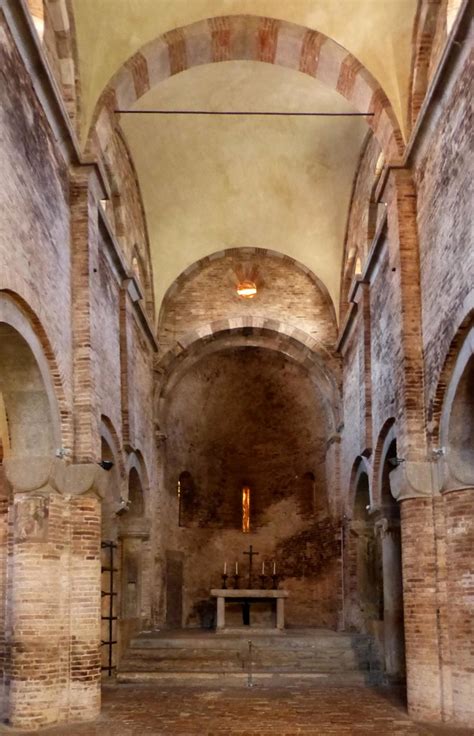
(295, 656)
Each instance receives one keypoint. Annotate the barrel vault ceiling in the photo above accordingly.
(214, 183)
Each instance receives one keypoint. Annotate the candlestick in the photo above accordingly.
(236, 581)
(224, 581)
(262, 581)
(275, 581)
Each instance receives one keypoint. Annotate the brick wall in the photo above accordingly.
(444, 193)
(34, 237)
(68, 285)
(286, 293)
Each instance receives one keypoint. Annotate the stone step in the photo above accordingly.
(289, 660)
(241, 679)
(225, 679)
(327, 640)
(194, 657)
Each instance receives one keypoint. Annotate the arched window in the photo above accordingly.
(135, 495)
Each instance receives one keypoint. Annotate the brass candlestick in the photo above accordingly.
(262, 581)
(224, 581)
(236, 581)
(275, 581)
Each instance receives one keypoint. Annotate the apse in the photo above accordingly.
(245, 463)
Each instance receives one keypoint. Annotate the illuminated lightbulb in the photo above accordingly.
(247, 289)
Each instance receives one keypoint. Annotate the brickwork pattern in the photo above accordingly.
(313, 711)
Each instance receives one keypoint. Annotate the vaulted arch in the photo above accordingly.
(245, 37)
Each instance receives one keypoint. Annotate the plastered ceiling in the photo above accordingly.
(217, 182)
(214, 183)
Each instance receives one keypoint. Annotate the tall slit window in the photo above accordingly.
(245, 509)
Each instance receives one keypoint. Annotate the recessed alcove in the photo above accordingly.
(250, 417)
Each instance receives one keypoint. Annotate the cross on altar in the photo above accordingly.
(251, 555)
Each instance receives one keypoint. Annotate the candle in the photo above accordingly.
(263, 568)
(225, 568)
(274, 567)
(236, 568)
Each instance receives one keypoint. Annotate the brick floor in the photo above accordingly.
(313, 710)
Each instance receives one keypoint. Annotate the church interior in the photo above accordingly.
(236, 367)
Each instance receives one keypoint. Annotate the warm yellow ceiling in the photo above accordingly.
(377, 32)
(214, 183)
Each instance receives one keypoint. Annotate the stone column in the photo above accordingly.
(414, 485)
(53, 593)
(394, 646)
(134, 537)
(4, 502)
(459, 520)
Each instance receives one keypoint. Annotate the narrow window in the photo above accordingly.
(245, 509)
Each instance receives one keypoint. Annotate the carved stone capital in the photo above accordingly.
(386, 526)
(26, 474)
(48, 474)
(456, 473)
(415, 480)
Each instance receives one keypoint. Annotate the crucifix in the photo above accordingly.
(251, 554)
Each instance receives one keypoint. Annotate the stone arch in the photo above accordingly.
(122, 174)
(362, 568)
(202, 263)
(110, 452)
(257, 332)
(18, 316)
(438, 405)
(137, 476)
(54, 23)
(253, 38)
(248, 326)
(361, 465)
(110, 435)
(456, 432)
(386, 436)
(423, 36)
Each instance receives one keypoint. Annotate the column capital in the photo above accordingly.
(415, 480)
(386, 525)
(46, 474)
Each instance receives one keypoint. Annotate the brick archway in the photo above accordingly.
(386, 435)
(256, 332)
(198, 266)
(250, 38)
(15, 312)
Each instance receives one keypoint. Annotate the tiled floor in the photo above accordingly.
(130, 710)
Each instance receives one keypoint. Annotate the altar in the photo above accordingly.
(246, 596)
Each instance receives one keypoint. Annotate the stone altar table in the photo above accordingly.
(250, 594)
